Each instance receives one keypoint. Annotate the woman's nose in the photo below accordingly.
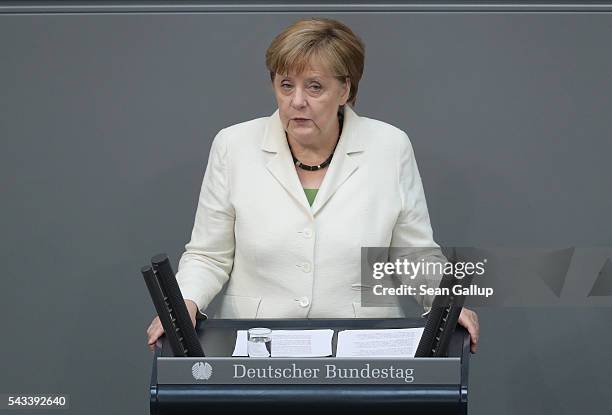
(299, 99)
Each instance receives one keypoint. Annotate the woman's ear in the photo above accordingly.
(272, 77)
(273, 86)
(347, 90)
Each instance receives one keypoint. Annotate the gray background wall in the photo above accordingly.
(106, 122)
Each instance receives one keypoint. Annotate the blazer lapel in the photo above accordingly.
(344, 163)
(281, 164)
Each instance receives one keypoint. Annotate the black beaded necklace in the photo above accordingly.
(328, 160)
(313, 168)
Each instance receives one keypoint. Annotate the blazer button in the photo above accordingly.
(304, 302)
(306, 267)
(307, 233)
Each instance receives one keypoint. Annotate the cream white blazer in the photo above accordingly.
(259, 250)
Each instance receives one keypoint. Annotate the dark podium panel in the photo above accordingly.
(218, 339)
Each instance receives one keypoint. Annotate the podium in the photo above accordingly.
(184, 385)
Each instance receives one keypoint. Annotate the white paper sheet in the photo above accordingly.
(378, 343)
(302, 343)
(241, 349)
(292, 343)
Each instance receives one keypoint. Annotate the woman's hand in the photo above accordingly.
(156, 329)
(469, 320)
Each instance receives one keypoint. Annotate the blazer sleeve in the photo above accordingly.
(206, 264)
(412, 235)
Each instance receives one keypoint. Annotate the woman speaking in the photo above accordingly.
(288, 200)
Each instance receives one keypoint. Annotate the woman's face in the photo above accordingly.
(308, 104)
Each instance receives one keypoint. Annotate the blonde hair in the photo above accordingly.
(322, 40)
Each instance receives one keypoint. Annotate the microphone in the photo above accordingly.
(170, 306)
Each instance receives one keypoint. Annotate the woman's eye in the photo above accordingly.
(286, 86)
(315, 87)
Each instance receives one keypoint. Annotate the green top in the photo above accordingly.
(310, 195)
